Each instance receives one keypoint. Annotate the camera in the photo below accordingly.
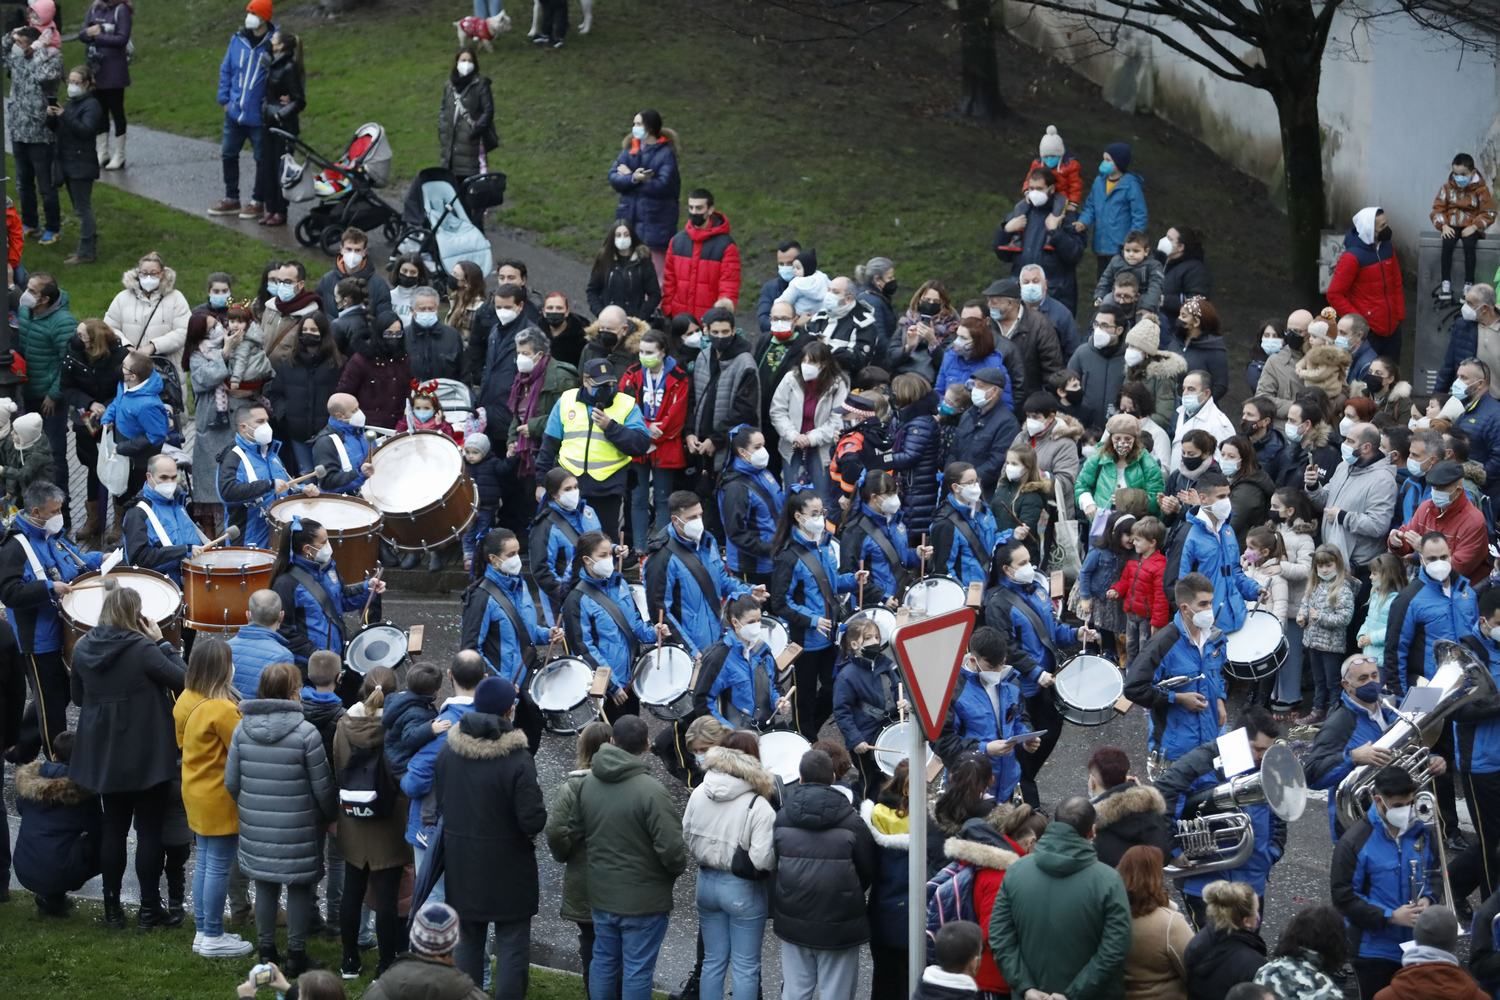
(261, 975)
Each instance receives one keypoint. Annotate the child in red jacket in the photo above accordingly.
(1140, 584)
(1068, 173)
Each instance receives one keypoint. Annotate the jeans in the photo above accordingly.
(488, 8)
(81, 193)
(34, 173)
(299, 907)
(211, 881)
(805, 466)
(234, 139)
(483, 521)
(439, 893)
(625, 953)
(809, 972)
(646, 483)
(1289, 677)
(512, 955)
(1445, 257)
(147, 807)
(1325, 666)
(732, 917)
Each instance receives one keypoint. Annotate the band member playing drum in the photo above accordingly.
(865, 693)
(1477, 742)
(1212, 550)
(742, 693)
(805, 585)
(988, 712)
(874, 535)
(159, 531)
(36, 563)
(562, 515)
(685, 578)
(312, 594)
(251, 476)
(963, 528)
(750, 502)
(1019, 604)
(1198, 770)
(1179, 675)
(342, 448)
(602, 623)
(500, 623)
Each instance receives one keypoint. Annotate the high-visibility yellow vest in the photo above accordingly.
(586, 450)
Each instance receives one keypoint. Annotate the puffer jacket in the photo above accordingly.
(1481, 421)
(1367, 277)
(1430, 972)
(1477, 741)
(1217, 959)
(466, 123)
(124, 684)
(1299, 976)
(983, 436)
(629, 283)
(703, 266)
(796, 596)
(44, 342)
(243, 74)
(570, 852)
(672, 589)
(1370, 879)
(139, 418)
(973, 722)
(33, 80)
(1328, 631)
(731, 809)
(650, 207)
(1421, 615)
(57, 848)
(1127, 816)
(1163, 374)
(1176, 731)
(375, 842)
(255, 648)
(864, 697)
(160, 317)
(1461, 207)
(81, 120)
(916, 459)
(750, 502)
(1057, 452)
(1101, 477)
(826, 860)
(669, 413)
(636, 848)
(593, 634)
(280, 779)
(1113, 214)
(417, 977)
(1140, 585)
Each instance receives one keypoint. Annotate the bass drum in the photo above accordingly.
(935, 595)
(421, 490)
(80, 607)
(892, 747)
(561, 692)
(1086, 689)
(781, 753)
(663, 682)
(218, 584)
(353, 529)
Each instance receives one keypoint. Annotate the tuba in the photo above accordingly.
(1461, 677)
(1224, 839)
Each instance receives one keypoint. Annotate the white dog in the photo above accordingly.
(482, 30)
(583, 27)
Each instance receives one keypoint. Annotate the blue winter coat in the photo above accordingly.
(29, 604)
(1481, 421)
(1427, 616)
(551, 551)
(1025, 640)
(1463, 343)
(951, 551)
(417, 781)
(1175, 731)
(306, 627)
(750, 501)
(957, 369)
(860, 707)
(1114, 214)
(1371, 879)
(916, 460)
(243, 75)
(1348, 727)
(254, 648)
(1477, 743)
(769, 293)
(795, 595)
(247, 491)
(973, 723)
(146, 548)
(337, 479)
(982, 441)
(593, 634)
(857, 543)
(1217, 556)
(672, 588)
(139, 416)
(736, 677)
(493, 636)
(650, 207)
(57, 848)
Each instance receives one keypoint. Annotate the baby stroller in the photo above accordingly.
(345, 188)
(437, 223)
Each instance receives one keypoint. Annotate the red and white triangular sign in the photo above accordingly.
(930, 652)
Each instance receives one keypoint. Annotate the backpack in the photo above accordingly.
(1172, 546)
(950, 897)
(366, 788)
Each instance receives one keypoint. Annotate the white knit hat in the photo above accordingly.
(1051, 144)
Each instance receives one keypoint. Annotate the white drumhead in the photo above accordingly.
(561, 684)
(244, 559)
(891, 746)
(935, 595)
(884, 619)
(377, 646)
(661, 675)
(333, 513)
(1257, 639)
(413, 471)
(160, 598)
(781, 753)
(1089, 682)
(776, 633)
(638, 592)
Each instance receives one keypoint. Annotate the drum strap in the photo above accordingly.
(898, 568)
(500, 597)
(37, 572)
(981, 554)
(820, 577)
(319, 594)
(569, 532)
(695, 566)
(605, 601)
(338, 446)
(163, 538)
(246, 464)
(1044, 635)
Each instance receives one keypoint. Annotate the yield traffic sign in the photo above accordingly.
(930, 652)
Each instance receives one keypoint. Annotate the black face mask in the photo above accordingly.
(556, 318)
(889, 291)
(870, 650)
(1073, 396)
(1384, 236)
(608, 339)
(1375, 383)
(406, 280)
(1277, 517)
(929, 309)
(1295, 340)
(601, 395)
(720, 344)
(309, 342)
(697, 219)
(1248, 428)
(1191, 464)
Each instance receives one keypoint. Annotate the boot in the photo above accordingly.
(176, 872)
(434, 561)
(117, 161)
(152, 915)
(410, 560)
(689, 990)
(114, 913)
(112, 536)
(298, 962)
(101, 147)
(93, 525)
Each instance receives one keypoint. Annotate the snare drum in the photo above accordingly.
(80, 607)
(884, 619)
(218, 584)
(420, 487)
(378, 644)
(561, 692)
(663, 681)
(1086, 689)
(891, 747)
(353, 529)
(935, 595)
(781, 753)
(777, 636)
(1257, 650)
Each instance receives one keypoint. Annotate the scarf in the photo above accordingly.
(525, 397)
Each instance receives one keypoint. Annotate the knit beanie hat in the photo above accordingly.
(494, 696)
(260, 8)
(478, 442)
(1145, 336)
(1120, 153)
(435, 931)
(7, 407)
(1051, 144)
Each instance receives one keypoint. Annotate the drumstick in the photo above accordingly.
(861, 584)
(364, 613)
(661, 617)
(901, 700)
(316, 473)
(230, 535)
(922, 558)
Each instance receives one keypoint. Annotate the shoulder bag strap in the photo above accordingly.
(820, 576)
(981, 554)
(898, 568)
(1014, 600)
(605, 601)
(338, 446)
(246, 464)
(319, 594)
(500, 597)
(569, 532)
(695, 567)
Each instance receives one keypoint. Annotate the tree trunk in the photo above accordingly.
(1302, 155)
(979, 70)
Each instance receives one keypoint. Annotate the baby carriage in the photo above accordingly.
(345, 188)
(437, 223)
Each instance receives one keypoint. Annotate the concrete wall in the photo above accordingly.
(1396, 104)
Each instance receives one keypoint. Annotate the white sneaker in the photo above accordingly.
(198, 940)
(224, 946)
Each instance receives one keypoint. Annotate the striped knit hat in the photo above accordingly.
(435, 931)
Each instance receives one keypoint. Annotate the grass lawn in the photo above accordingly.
(850, 148)
(76, 958)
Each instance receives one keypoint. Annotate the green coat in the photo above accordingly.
(571, 852)
(560, 377)
(23, 470)
(1012, 508)
(633, 833)
(44, 344)
(1100, 478)
(1061, 923)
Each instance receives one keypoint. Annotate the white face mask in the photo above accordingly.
(750, 634)
(1270, 345)
(692, 530)
(356, 419)
(1102, 338)
(252, 22)
(506, 315)
(1025, 575)
(760, 458)
(1220, 509)
(149, 282)
(1133, 357)
(1327, 573)
(352, 259)
(568, 499)
(1468, 312)
(693, 340)
(979, 396)
(1204, 618)
(1399, 817)
(603, 568)
(809, 371)
(1037, 198)
(511, 565)
(1228, 466)
(166, 490)
(812, 527)
(76, 90)
(53, 525)
(1014, 472)
(890, 504)
(324, 555)
(525, 362)
(263, 434)
(1035, 426)
(970, 493)
(1439, 570)
(1346, 425)
(465, 68)
(622, 243)
(781, 326)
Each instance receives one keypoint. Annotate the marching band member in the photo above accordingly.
(159, 532)
(805, 585)
(1212, 550)
(685, 579)
(963, 528)
(500, 623)
(602, 623)
(1020, 605)
(741, 692)
(1477, 749)
(750, 502)
(875, 534)
(342, 448)
(36, 563)
(1185, 715)
(561, 516)
(988, 712)
(1383, 878)
(313, 595)
(1198, 770)
(251, 476)
(865, 690)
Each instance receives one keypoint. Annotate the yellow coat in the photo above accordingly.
(204, 728)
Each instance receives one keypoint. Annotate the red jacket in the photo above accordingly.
(1463, 525)
(703, 266)
(1069, 177)
(15, 237)
(671, 414)
(990, 864)
(1427, 980)
(1367, 280)
(1140, 584)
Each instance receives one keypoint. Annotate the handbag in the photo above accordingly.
(1064, 552)
(740, 866)
(112, 468)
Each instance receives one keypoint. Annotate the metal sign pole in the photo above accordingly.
(916, 859)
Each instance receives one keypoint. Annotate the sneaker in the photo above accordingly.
(228, 206)
(225, 946)
(541, 40)
(79, 258)
(350, 968)
(252, 210)
(557, 44)
(29, 231)
(1313, 718)
(198, 939)
(1445, 292)
(272, 219)
(366, 942)
(48, 238)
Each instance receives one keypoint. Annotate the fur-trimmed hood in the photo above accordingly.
(890, 841)
(1317, 437)
(632, 342)
(51, 786)
(131, 279)
(667, 135)
(1130, 800)
(1325, 367)
(730, 773)
(1400, 393)
(1474, 473)
(979, 854)
(1066, 428)
(485, 737)
(1167, 365)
